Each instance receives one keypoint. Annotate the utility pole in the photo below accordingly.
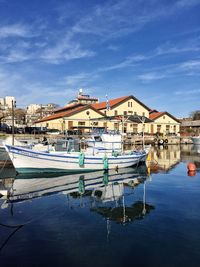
(13, 122)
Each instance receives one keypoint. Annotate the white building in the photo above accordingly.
(32, 108)
(8, 101)
(1, 101)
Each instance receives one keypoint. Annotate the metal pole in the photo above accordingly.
(13, 130)
(122, 134)
(143, 134)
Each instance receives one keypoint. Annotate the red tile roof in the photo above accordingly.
(155, 115)
(68, 113)
(114, 102)
(68, 107)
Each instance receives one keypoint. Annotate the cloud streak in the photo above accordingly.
(14, 30)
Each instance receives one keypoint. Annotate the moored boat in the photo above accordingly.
(196, 140)
(29, 161)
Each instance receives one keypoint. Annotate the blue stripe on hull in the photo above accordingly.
(51, 170)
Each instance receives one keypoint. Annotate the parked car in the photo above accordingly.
(35, 130)
(53, 131)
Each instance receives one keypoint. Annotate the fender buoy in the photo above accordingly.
(166, 141)
(81, 185)
(191, 167)
(160, 141)
(81, 159)
(105, 163)
(191, 173)
(105, 177)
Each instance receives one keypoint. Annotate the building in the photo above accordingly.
(124, 106)
(190, 127)
(35, 112)
(73, 117)
(84, 99)
(78, 115)
(164, 123)
(6, 102)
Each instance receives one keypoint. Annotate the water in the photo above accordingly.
(106, 220)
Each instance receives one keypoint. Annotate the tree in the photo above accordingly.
(20, 115)
(195, 115)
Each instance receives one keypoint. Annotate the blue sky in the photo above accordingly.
(146, 48)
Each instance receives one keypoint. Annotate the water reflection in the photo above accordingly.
(110, 194)
(25, 187)
(164, 158)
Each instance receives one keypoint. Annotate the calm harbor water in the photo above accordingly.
(145, 216)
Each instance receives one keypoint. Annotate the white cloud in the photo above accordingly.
(187, 92)
(14, 30)
(129, 61)
(151, 76)
(64, 50)
(190, 65)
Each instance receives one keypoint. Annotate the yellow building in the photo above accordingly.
(164, 123)
(84, 117)
(124, 106)
(73, 117)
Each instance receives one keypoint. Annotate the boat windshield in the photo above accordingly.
(68, 145)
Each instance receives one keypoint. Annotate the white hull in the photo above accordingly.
(26, 160)
(196, 140)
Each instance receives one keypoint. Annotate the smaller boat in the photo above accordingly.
(105, 142)
(196, 140)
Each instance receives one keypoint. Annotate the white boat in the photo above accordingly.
(29, 161)
(107, 142)
(196, 140)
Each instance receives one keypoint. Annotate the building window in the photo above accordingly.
(130, 104)
(163, 117)
(135, 128)
(174, 128)
(116, 126)
(115, 112)
(135, 113)
(167, 128)
(81, 123)
(143, 113)
(125, 112)
(158, 128)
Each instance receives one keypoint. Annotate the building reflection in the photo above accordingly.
(164, 158)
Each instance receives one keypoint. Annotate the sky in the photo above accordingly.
(146, 48)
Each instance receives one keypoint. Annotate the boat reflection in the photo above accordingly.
(24, 187)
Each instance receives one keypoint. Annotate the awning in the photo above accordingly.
(132, 118)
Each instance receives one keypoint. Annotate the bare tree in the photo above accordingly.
(20, 115)
(195, 115)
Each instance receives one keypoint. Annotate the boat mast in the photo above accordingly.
(13, 123)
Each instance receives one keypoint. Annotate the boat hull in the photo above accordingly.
(28, 161)
(196, 140)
